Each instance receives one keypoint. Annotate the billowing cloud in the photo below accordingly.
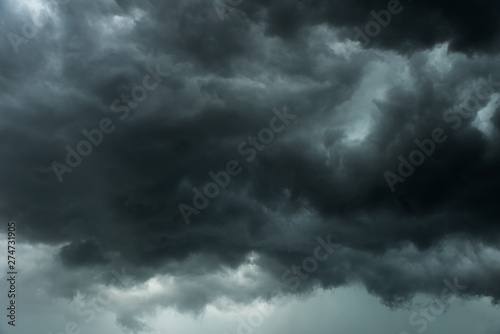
(138, 103)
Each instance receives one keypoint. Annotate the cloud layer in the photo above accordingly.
(323, 175)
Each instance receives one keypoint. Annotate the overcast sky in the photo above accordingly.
(251, 166)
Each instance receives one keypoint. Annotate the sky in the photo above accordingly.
(250, 166)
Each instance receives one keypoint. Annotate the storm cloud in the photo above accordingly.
(358, 108)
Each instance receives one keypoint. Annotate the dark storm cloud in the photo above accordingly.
(227, 77)
(468, 25)
(81, 253)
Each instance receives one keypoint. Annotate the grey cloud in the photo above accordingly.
(119, 208)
